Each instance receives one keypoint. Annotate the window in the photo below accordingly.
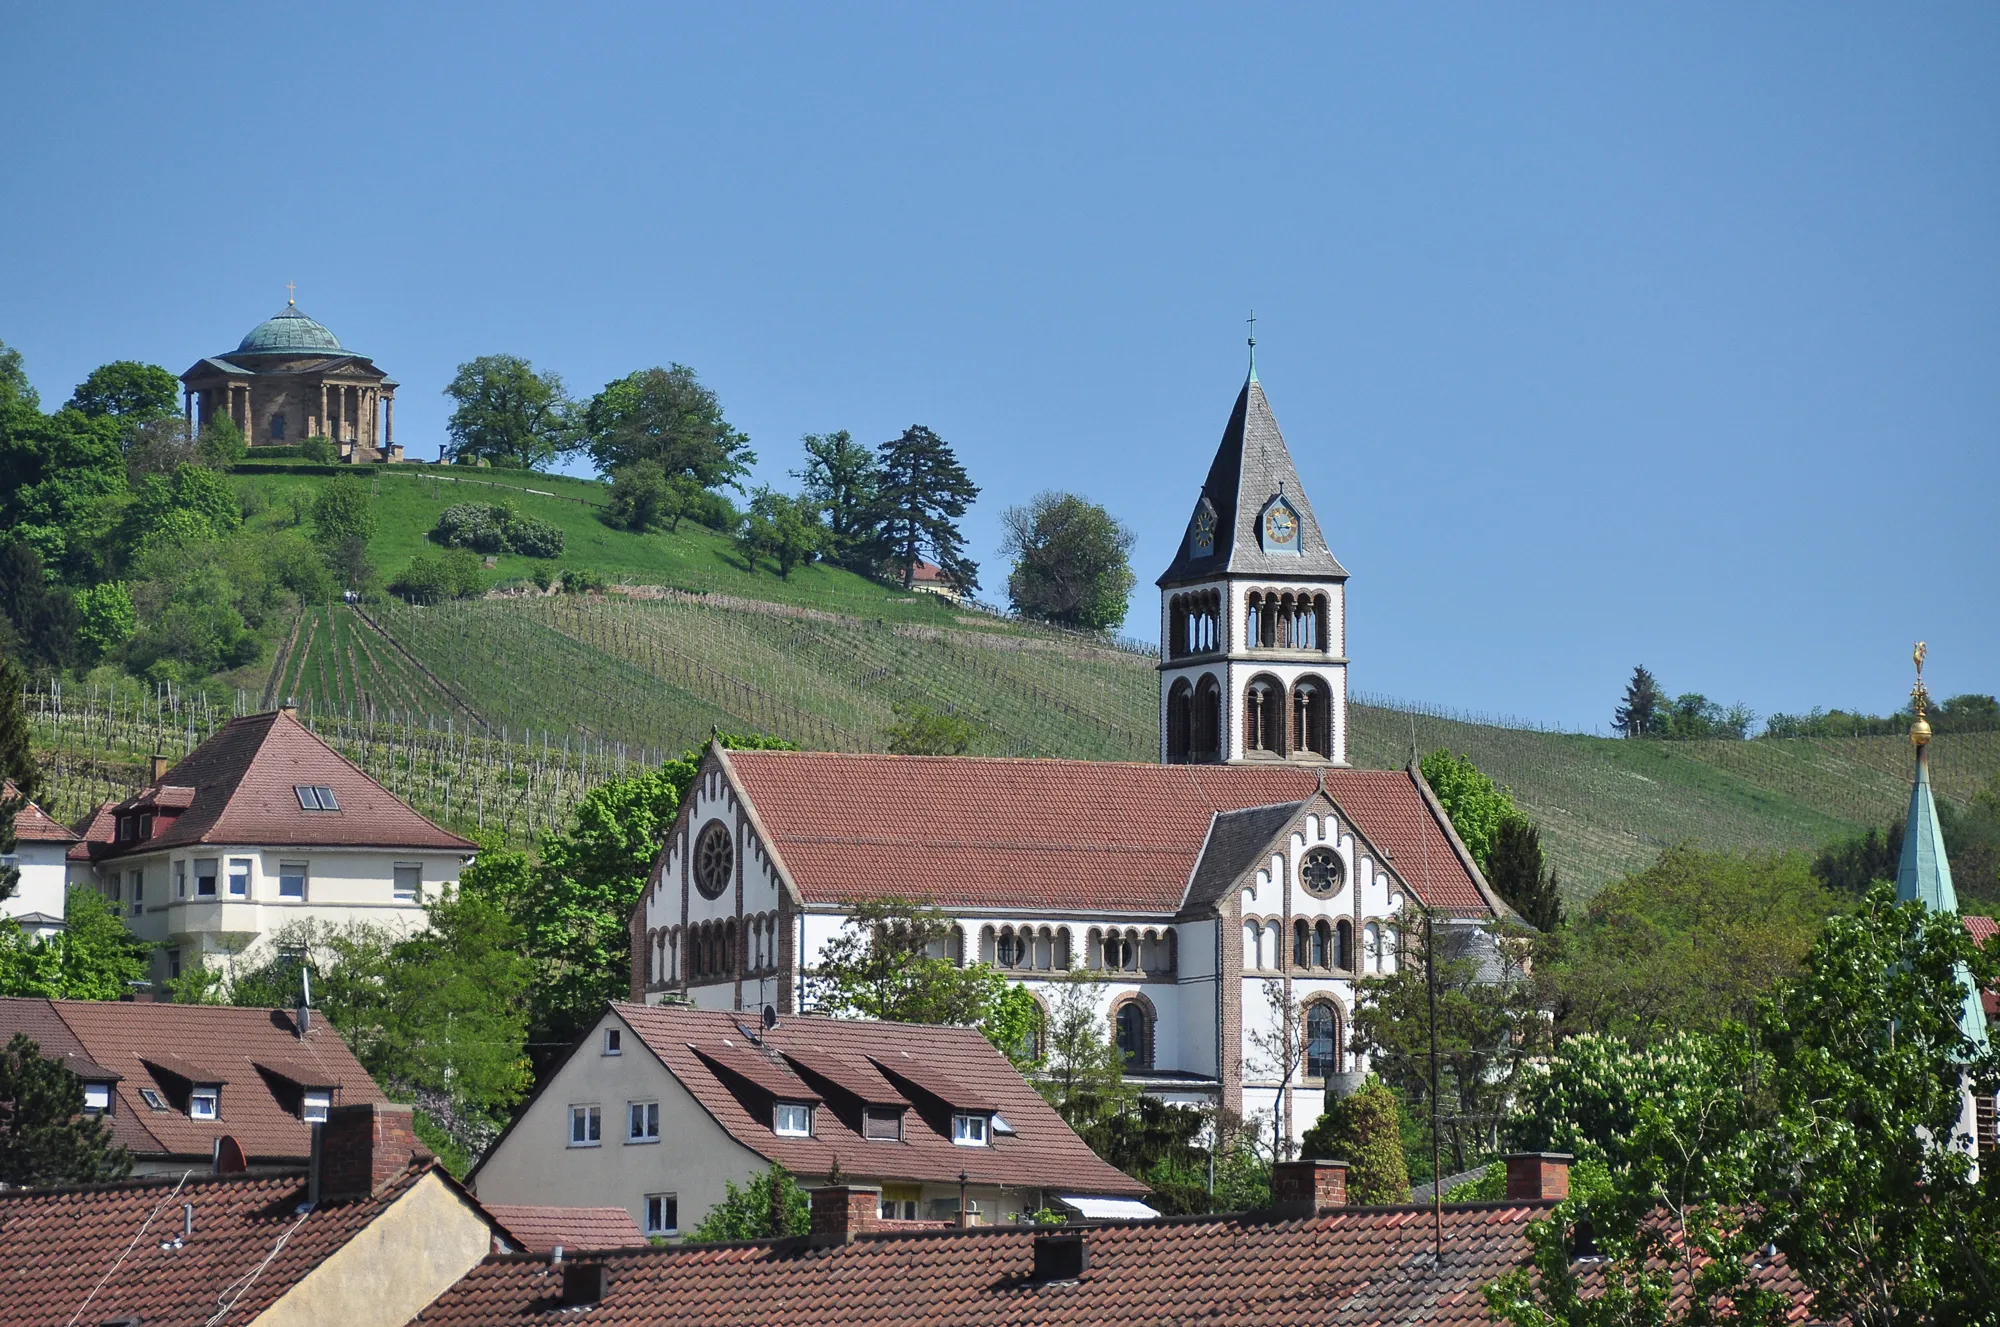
(643, 1125)
(151, 1098)
(586, 1126)
(317, 1102)
(900, 1209)
(173, 964)
(714, 859)
(204, 876)
(180, 879)
(792, 1119)
(205, 1103)
(1322, 1042)
(409, 882)
(968, 1130)
(613, 1042)
(883, 1124)
(277, 428)
(291, 879)
(96, 1098)
(239, 877)
(1322, 873)
(663, 1214)
(315, 797)
(1135, 1035)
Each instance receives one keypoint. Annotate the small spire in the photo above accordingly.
(291, 290)
(1920, 699)
(1252, 320)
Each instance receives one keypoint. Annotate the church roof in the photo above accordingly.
(1924, 875)
(1082, 835)
(289, 332)
(1252, 467)
(1236, 839)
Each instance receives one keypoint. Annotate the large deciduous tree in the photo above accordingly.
(923, 492)
(59, 476)
(1071, 563)
(1478, 807)
(45, 1137)
(506, 413)
(841, 479)
(128, 391)
(668, 417)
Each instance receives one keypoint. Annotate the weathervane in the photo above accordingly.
(1920, 699)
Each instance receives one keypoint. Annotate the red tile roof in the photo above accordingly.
(1983, 929)
(239, 787)
(34, 825)
(576, 1229)
(60, 1243)
(1043, 1152)
(166, 1047)
(1361, 1265)
(1073, 834)
(97, 828)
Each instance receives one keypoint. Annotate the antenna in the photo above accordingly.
(770, 1017)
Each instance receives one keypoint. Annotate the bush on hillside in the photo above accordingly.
(322, 450)
(496, 528)
(434, 577)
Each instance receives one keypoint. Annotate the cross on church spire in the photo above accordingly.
(291, 290)
(1252, 320)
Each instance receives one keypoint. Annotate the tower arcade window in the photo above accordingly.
(1312, 717)
(1205, 727)
(1180, 721)
(1264, 709)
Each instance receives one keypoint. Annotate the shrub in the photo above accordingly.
(578, 580)
(221, 444)
(322, 450)
(489, 528)
(342, 511)
(1366, 1129)
(434, 577)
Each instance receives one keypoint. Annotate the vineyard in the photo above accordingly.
(496, 714)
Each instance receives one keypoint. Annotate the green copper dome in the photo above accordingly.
(289, 332)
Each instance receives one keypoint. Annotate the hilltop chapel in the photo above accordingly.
(1226, 901)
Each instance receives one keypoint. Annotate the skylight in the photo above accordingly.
(315, 797)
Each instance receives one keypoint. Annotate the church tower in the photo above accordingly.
(1253, 611)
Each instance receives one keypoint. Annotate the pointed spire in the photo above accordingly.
(1253, 348)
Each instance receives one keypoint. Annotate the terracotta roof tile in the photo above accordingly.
(94, 830)
(1042, 1152)
(1070, 834)
(242, 789)
(34, 825)
(1983, 929)
(198, 1043)
(576, 1229)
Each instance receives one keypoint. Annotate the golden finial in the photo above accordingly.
(1920, 699)
(291, 290)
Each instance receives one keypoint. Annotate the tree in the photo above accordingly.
(59, 475)
(432, 578)
(840, 477)
(1639, 714)
(221, 444)
(1478, 807)
(1071, 564)
(343, 510)
(769, 1206)
(639, 497)
(20, 775)
(159, 446)
(1366, 1131)
(921, 730)
(788, 529)
(666, 416)
(106, 619)
(506, 413)
(45, 1138)
(92, 958)
(189, 506)
(127, 390)
(923, 492)
(1515, 869)
(14, 384)
(37, 620)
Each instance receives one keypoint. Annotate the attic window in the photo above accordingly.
(315, 797)
(968, 1130)
(205, 1102)
(792, 1119)
(151, 1098)
(315, 1105)
(96, 1098)
(883, 1124)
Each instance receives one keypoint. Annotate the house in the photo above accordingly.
(1311, 1259)
(1226, 902)
(171, 1080)
(577, 1229)
(40, 854)
(657, 1108)
(367, 1237)
(261, 826)
(929, 578)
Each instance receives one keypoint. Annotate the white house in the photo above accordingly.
(40, 854)
(1226, 902)
(260, 826)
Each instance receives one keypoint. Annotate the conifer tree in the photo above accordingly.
(1641, 712)
(1516, 870)
(923, 492)
(45, 1138)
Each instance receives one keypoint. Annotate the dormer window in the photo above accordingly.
(315, 1104)
(885, 1125)
(315, 797)
(96, 1098)
(969, 1130)
(205, 1102)
(792, 1119)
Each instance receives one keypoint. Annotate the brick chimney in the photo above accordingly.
(842, 1211)
(1306, 1188)
(1535, 1176)
(361, 1148)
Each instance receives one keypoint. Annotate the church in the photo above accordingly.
(1224, 903)
(290, 379)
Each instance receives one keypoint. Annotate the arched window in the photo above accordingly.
(1264, 711)
(1273, 946)
(1180, 722)
(1322, 944)
(1343, 945)
(1301, 944)
(1312, 717)
(1006, 953)
(1205, 730)
(1253, 623)
(1134, 1023)
(1253, 945)
(1322, 1041)
(1062, 948)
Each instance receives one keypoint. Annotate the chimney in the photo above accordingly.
(1538, 1176)
(159, 766)
(361, 1148)
(583, 1284)
(1064, 1257)
(1308, 1188)
(842, 1211)
(290, 708)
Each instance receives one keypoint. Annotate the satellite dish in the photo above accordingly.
(770, 1017)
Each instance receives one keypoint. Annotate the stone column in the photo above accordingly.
(187, 404)
(388, 421)
(321, 431)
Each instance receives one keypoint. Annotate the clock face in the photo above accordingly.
(1280, 526)
(1204, 528)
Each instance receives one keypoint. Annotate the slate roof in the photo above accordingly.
(1252, 465)
(576, 1229)
(1081, 835)
(1356, 1265)
(254, 1053)
(935, 1068)
(240, 790)
(60, 1242)
(34, 825)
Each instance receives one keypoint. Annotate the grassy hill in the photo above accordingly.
(497, 712)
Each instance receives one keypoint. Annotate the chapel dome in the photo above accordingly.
(289, 331)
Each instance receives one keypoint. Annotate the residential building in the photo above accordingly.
(367, 1237)
(41, 855)
(1309, 1260)
(575, 1229)
(1225, 903)
(658, 1108)
(261, 826)
(170, 1080)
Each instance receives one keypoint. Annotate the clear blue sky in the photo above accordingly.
(1602, 334)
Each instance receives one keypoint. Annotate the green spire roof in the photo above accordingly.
(1924, 874)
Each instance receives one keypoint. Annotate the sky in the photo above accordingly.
(1601, 335)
